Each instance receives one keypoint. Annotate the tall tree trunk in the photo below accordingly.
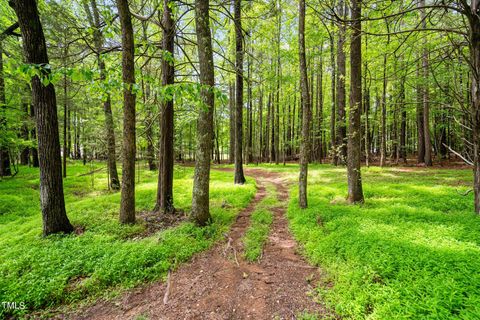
(319, 104)
(250, 112)
(201, 180)
(231, 104)
(95, 22)
(52, 200)
(272, 134)
(305, 138)
(355, 192)
(260, 129)
(152, 166)
(333, 138)
(239, 177)
(4, 154)
(65, 112)
(425, 95)
(278, 79)
(25, 154)
(127, 204)
(474, 37)
(341, 95)
(383, 144)
(403, 124)
(267, 128)
(165, 170)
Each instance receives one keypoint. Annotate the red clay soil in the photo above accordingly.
(220, 284)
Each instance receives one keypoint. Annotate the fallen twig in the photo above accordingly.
(167, 291)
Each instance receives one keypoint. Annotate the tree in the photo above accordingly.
(305, 138)
(127, 204)
(340, 91)
(232, 110)
(239, 177)
(52, 200)
(200, 199)
(166, 155)
(425, 95)
(5, 169)
(355, 192)
(93, 16)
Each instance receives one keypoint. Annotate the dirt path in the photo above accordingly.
(219, 284)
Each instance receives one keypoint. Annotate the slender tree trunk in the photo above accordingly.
(239, 177)
(383, 145)
(333, 138)
(267, 128)
(278, 79)
(341, 95)
(201, 180)
(52, 200)
(319, 108)
(425, 93)
(152, 166)
(403, 124)
(250, 113)
(127, 204)
(231, 104)
(355, 192)
(305, 138)
(95, 22)
(25, 154)
(65, 111)
(260, 129)
(4, 154)
(165, 170)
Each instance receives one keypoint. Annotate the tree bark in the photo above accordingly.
(305, 138)
(200, 199)
(474, 37)
(127, 204)
(355, 192)
(239, 176)
(52, 200)
(166, 155)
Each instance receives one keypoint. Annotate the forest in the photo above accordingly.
(239, 159)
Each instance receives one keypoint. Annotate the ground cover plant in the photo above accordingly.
(410, 252)
(106, 257)
(260, 221)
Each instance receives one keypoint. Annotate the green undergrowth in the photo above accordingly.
(260, 222)
(107, 257)
(410, 252)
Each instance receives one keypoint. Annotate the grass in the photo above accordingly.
(260, 222)
(108, 257)
(411, 252)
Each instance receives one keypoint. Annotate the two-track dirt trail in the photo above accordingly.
(219, 284)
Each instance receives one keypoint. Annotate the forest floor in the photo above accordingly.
(222, 284)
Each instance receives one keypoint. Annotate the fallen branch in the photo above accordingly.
(459, 155)
(91, 172)
(167, 291)
(466, 193)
